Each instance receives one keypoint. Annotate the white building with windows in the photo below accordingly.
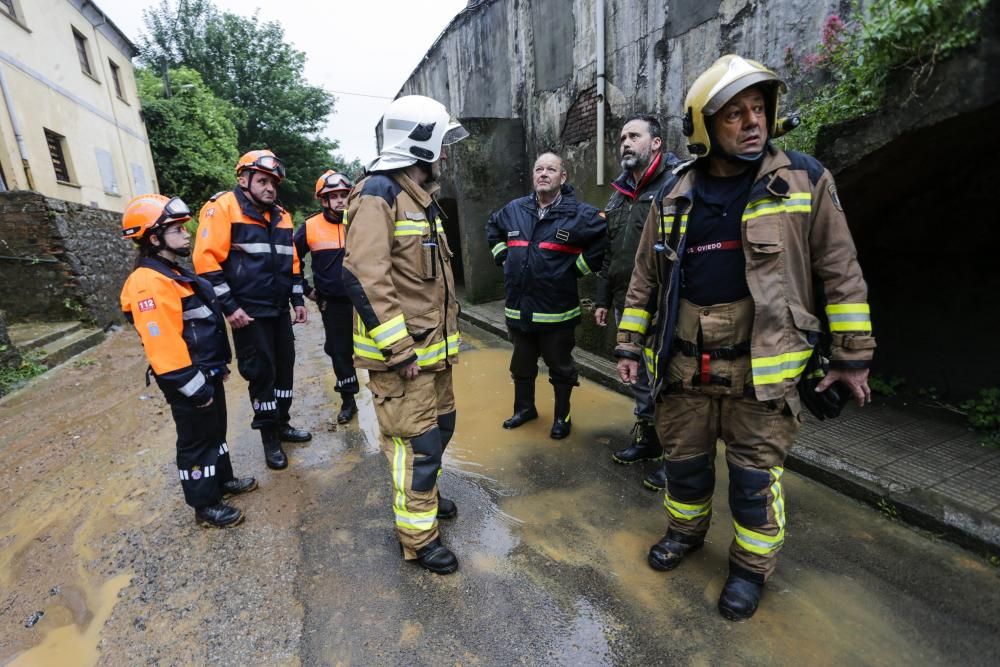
(70, 122)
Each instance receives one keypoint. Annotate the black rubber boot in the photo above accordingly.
(560, 425)
(274, 455)
(739, 598)
(238, 485)
(670, 551)
(657, 481)
(645, 445)
(524, 405)
(348, 409)
(289, 433)
(218, 516)
(447, 509)
(437, 558)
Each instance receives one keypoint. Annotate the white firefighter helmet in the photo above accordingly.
(414, 128)
(727, 76)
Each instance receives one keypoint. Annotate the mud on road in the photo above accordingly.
(552, 537)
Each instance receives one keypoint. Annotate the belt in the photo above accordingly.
(728, 353)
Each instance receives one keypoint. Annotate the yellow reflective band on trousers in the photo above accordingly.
(498, 248)
(796, 202)
(759, 543)
(581, 265)
(548, 318)
(846, 317)
(389, 332)
(512, 314)
(430, 355)
(687, 511)
(422, 521)
(771, 370)
(667, 224)
(634, 319)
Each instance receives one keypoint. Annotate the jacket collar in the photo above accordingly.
(624, 185)
(423, 196)
(567, 203)
(251, 211)
(774, 160)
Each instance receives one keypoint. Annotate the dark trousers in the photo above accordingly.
(555, 346)
(265, 355)
(202, 453)
(338, 322)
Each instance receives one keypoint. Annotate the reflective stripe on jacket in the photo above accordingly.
(249, 258)
(182, 329)
(793, 228)
(326, 241)
(542, 259)
(397, 272)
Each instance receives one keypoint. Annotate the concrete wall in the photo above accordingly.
(60, 261)
(49, 90)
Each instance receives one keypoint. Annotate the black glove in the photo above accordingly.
(500, 257)
(826, 404)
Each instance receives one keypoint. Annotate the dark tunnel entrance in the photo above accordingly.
(453, 231)
(921, 213)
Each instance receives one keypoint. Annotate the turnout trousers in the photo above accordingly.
(202, 453)
(265, 356)
(338, 323)
(555, 346)
(757, 437)
(417, 419)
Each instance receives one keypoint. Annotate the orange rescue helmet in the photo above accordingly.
(331, 181)
(263, 161)
(147, 213)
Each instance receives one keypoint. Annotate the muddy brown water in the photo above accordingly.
(552, 538)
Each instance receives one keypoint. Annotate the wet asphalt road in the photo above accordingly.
(551, 536)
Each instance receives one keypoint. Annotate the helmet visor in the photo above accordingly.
(175, 210)
(454, 134)
(333, 182)
(269, 164)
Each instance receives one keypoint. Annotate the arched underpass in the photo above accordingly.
(923, 212)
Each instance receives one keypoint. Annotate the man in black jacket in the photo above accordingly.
(545, 241)
(645, 168)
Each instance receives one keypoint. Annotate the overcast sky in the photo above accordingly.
(368, 47)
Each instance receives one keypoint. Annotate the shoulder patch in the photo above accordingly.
(146, 305)
(832, 189)
(380, 185)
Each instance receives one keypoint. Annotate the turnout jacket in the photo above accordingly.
(326, 240)
(626, 213)
(248, 256)
(180, 324)
(793, 232)
(397, 273)
(542, 259)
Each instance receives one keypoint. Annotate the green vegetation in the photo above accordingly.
(12, 377)
(983, 414)
(855, 59)
(885, 386)
(248, 64)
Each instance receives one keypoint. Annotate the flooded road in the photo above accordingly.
(102, 559)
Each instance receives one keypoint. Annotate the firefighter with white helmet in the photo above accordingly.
(398, 274)
(724, 313)
(183, 334)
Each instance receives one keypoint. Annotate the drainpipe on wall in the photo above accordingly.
(18, 137)
(600, 90)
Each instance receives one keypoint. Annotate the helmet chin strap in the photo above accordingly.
(249, 194)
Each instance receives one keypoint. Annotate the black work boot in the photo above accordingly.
(739, 598)
(274, 455)
(560, 425)
(447, 509)
(238, 485)
(289, 433)
(670, 551)
(657, 481)
(348, 409)
(524, 405)
(645, 445)
(437, 558)
(220, 515)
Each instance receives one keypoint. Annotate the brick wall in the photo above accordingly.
(60, 261)
(581, 119)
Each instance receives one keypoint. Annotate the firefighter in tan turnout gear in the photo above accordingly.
(724, 303)
(398, 274)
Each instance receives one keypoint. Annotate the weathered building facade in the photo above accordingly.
(523, 75)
